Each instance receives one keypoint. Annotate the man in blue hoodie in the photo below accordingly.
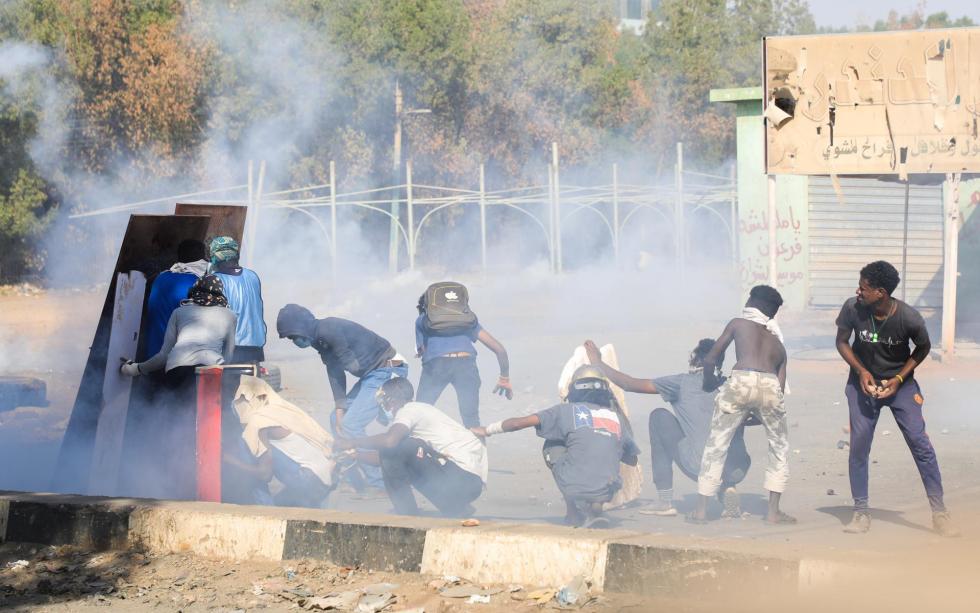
(170, 288)
(346, 347)
(244, 292)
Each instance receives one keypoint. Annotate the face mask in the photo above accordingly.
(302, 342)
(387, 415)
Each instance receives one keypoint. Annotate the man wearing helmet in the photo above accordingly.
(585, 440)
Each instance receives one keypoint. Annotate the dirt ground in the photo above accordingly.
(653, 321)
(52, 579)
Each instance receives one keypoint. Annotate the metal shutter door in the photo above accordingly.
(868, 226)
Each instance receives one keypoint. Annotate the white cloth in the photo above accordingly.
(306, 454)
(258, 407)
(198, 268)
(632, 476)
(445, 435)
(755, 315)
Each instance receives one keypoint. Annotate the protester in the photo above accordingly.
(449, 356)
(882, 374)
(586, 438)
(346, 347)
(423, 449)
(244, 292)
(170, 288)
(201, 332)
(284, 442)
(679, 437)
(755, 389)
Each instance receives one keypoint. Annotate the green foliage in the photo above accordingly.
(25, 212)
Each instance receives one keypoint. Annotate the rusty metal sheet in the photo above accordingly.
(149, 246)
(873, 103)
(226, 219)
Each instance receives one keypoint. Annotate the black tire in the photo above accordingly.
(22, 391)
(271, 374)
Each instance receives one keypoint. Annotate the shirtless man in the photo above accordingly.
(755, 388)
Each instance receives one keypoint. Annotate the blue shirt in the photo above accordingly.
(244, 293)
(438, 346)
(168, 289)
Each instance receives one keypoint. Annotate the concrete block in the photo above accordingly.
(4, 509)
(527, 554)
(94, 526)
(230, 535)
(350, 543)
(669, 570)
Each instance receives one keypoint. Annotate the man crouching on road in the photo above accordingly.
(755, 388)
(426, 449)
(585, 440)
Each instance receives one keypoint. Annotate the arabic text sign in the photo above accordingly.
(883, 103)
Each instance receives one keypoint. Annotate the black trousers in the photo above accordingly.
(161, 438)
(413, 463)
(668, 446)
(463, 375)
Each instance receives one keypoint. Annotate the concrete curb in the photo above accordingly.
(530, 554)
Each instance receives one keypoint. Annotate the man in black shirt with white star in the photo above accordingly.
(882, 375)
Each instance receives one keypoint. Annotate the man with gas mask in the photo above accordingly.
(586, 438)
(346, 347)
(423, 449)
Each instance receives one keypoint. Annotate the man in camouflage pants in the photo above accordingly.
(754, 389)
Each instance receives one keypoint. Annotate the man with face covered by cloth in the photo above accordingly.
(201, 332)
(346, 347)
(586, 438)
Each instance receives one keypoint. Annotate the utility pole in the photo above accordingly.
(396, 163)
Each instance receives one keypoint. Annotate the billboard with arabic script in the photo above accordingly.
(873, 103)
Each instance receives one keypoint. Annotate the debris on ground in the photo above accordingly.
(478, 599)
(470, 523)
(575, 594)
(64, 578)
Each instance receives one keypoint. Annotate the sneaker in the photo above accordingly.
(860, 523)
(942, 523)
(663, 508)
(729, 500)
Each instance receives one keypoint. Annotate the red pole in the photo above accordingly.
(209, 434)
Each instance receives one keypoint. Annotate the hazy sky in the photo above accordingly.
(856, 12)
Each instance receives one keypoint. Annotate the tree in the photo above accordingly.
(25, 212)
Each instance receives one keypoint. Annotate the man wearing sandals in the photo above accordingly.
(755, 388)
(883, 374)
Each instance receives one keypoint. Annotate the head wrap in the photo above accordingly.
(207, 291)
(223, 249)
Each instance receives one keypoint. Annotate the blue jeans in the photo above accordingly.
(906, 406)
(362, 409)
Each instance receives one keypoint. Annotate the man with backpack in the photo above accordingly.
(445, 333)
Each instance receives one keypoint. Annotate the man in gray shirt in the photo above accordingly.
(201, 332)
(586, 438)
(679, 437)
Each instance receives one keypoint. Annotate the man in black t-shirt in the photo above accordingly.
(882, 374)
